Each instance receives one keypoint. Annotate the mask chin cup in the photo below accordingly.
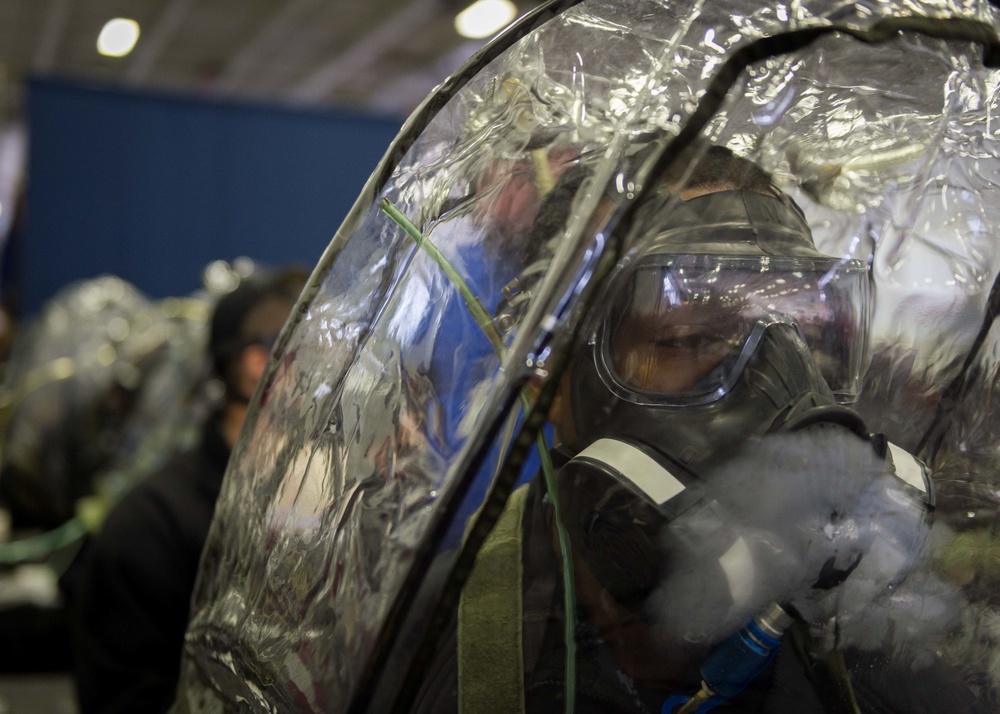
(808, 412)
(624, 495)
(616, 490)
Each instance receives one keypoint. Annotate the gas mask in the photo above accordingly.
(725, 328)
(727, 325)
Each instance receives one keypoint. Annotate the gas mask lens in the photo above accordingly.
(681, 328)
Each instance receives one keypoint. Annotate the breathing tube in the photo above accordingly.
(735, 662)
(486, 323)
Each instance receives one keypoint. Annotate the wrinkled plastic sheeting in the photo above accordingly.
(59, 369)
(96, 383)
(385, 389)
(163, 365)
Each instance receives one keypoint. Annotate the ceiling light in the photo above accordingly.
(118, 37)
(485, 17)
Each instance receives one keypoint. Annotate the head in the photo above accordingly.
(721, 280)
(723, 323)
(245, 324)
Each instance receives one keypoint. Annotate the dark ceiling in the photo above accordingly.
(377, 55)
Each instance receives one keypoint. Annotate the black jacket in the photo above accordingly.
(137, 580)
(880, 686)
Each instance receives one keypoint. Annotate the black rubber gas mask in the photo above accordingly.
(727, 326)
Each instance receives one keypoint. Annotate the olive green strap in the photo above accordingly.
(490, 657)
(826, 671)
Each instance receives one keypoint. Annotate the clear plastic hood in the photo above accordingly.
(440, 361)
(98, 387)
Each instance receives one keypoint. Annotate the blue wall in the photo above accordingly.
(152, 187)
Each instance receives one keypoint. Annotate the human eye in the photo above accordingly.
(691, 339)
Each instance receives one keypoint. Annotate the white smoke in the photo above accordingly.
(790, 512)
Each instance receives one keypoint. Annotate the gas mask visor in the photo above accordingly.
(680, 329)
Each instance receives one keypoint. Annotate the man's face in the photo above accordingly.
(673, 349)
(681, 327)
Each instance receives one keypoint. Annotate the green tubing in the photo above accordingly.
(485, 322)
(41, 546)
(479, 313)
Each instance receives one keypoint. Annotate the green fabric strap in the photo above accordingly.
(827, 672)
(490, 658)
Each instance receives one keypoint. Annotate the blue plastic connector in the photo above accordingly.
(736, 661)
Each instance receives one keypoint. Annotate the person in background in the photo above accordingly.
(132, 609)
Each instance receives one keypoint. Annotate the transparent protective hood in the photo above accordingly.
(410, 390)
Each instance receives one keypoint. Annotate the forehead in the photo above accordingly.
(656, 293)
(700, 287)
(649, 325)
(697, 280)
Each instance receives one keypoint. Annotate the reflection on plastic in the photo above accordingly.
(370, 422)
